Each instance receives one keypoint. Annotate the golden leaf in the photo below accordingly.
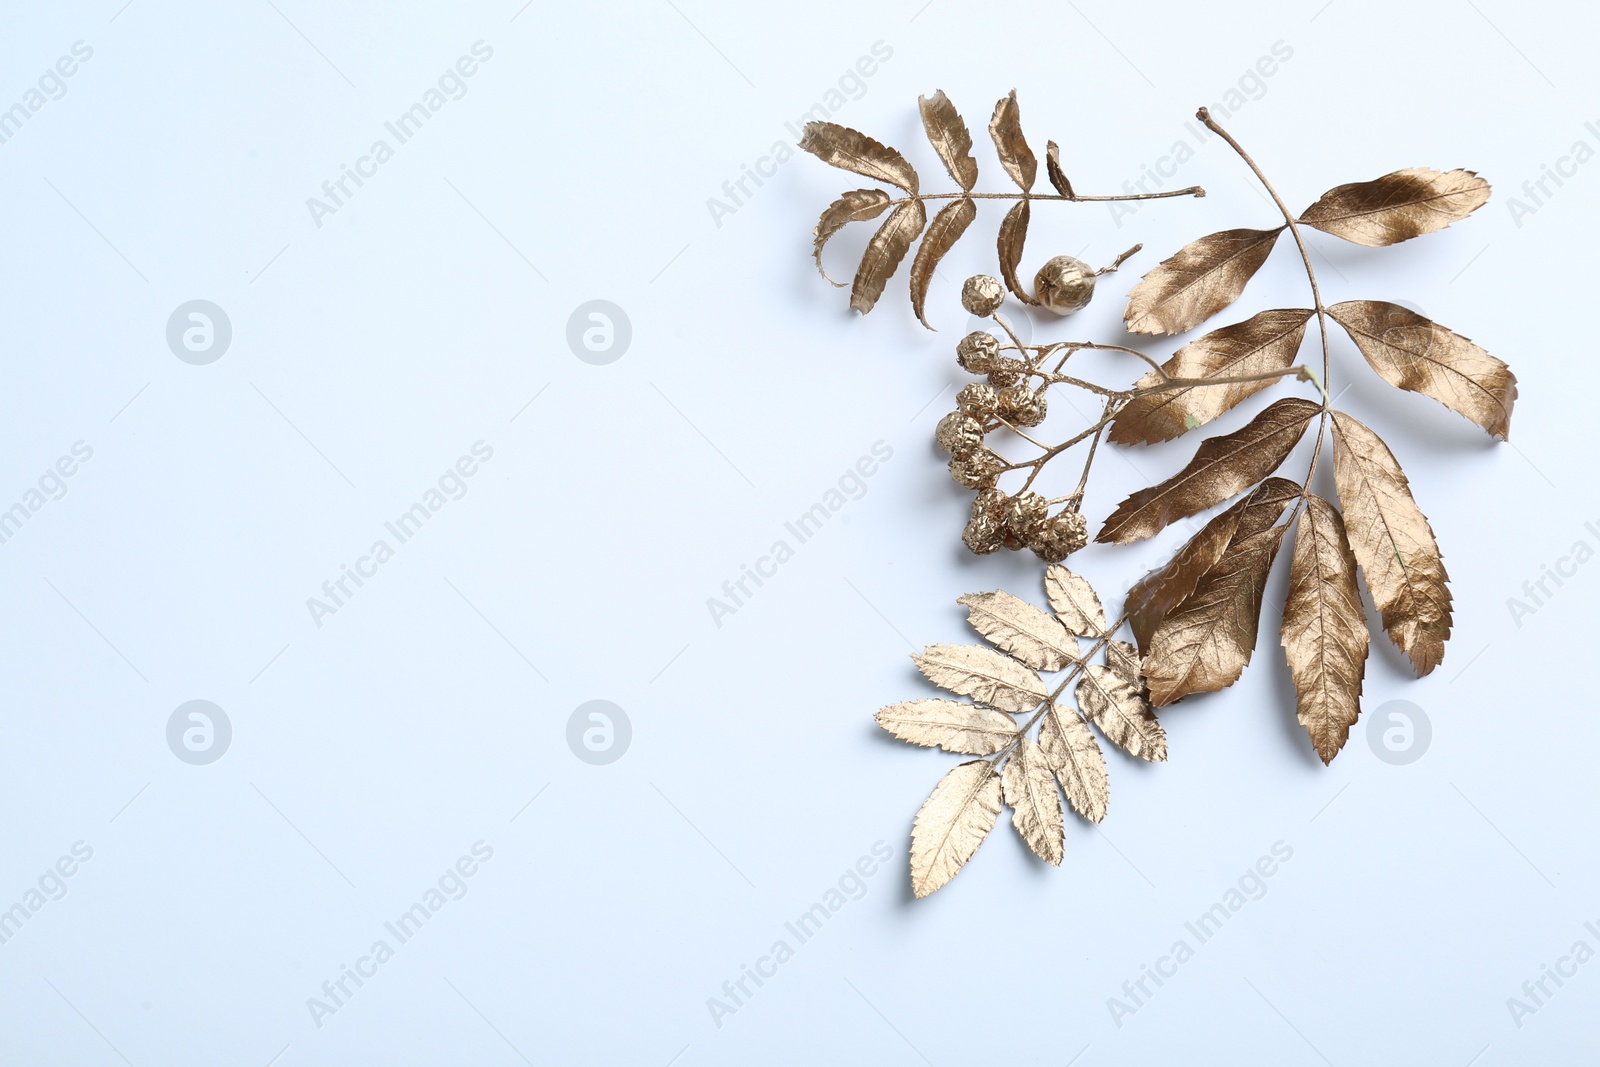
(1261, 344)
(1013, 232)
(858, 205)
(1052, 167)
(953, 725)
(1035, 803)
(952, 823)
(1398, 206)
(982, 674)
(1164, 588)
(1124, 659)
(1074, 601)
(1203, 278)
(884, 253)
(848, 149)
(948, 226)
(948, 133)
(1121, 713)
(1016, 626)
(1411, 352)
(1393, 543)
(1204, 642)
(1222, 467)
(1005, 126)
(1074, 755)
(1325, 628)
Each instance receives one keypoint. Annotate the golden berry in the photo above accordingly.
(1065, 284)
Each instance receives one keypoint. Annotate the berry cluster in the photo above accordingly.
(1009, 399)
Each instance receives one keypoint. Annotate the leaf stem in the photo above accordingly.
(1204, 115)
(1193, 190)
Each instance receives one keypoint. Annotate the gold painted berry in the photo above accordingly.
(958, 433)
(1065, 284)
(977, 352)
(981, 294)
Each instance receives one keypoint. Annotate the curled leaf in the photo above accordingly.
(1260, 344)
(848, 149)
(884, 253)
(948, 226)
(1393, 543)
(1005, 126)
(1204, 642)
(858, 205)
(1398, 206)
(1222, 467)
(1016, 626)
(1074, 601)
(1074, 755)
(1324, 628)
(1121, 712)
(1052, 166)
(953, 725)
(1203, 278)
(982, 674)
(948, 133)
(1013, 233)
(1035, 803)
(1411, 352)
(952, 823)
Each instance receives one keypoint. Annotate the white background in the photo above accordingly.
(372, 351)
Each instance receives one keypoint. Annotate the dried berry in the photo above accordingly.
(1026, 513)
(1061, 536)
(1022, 406)
(977, 469)
(977, 352)
(981, 294)
(978, 400)
(958, 433)
(985, 529)
(1006, 371)
(1064, 285)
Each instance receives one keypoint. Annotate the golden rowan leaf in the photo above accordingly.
(1411, 352)
(948, 133)
(1164, 588)
(1204, 642)
(1393, 543)
(1121, 713)
(1203, 278)
(1005, 126)
(1261, 344)
(952, 823)
(953, 725)
(1035, 802)
(1124, 659)
(1052, 166)
(1325, 628)
(1016, 626)
(1222, 467)
(1013, 233)
(982, 674)
(1074, 755)
(1074, 601)
(884, 253)
(858, 205)
(948, 226)
(848, 149)
(1398, 206)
